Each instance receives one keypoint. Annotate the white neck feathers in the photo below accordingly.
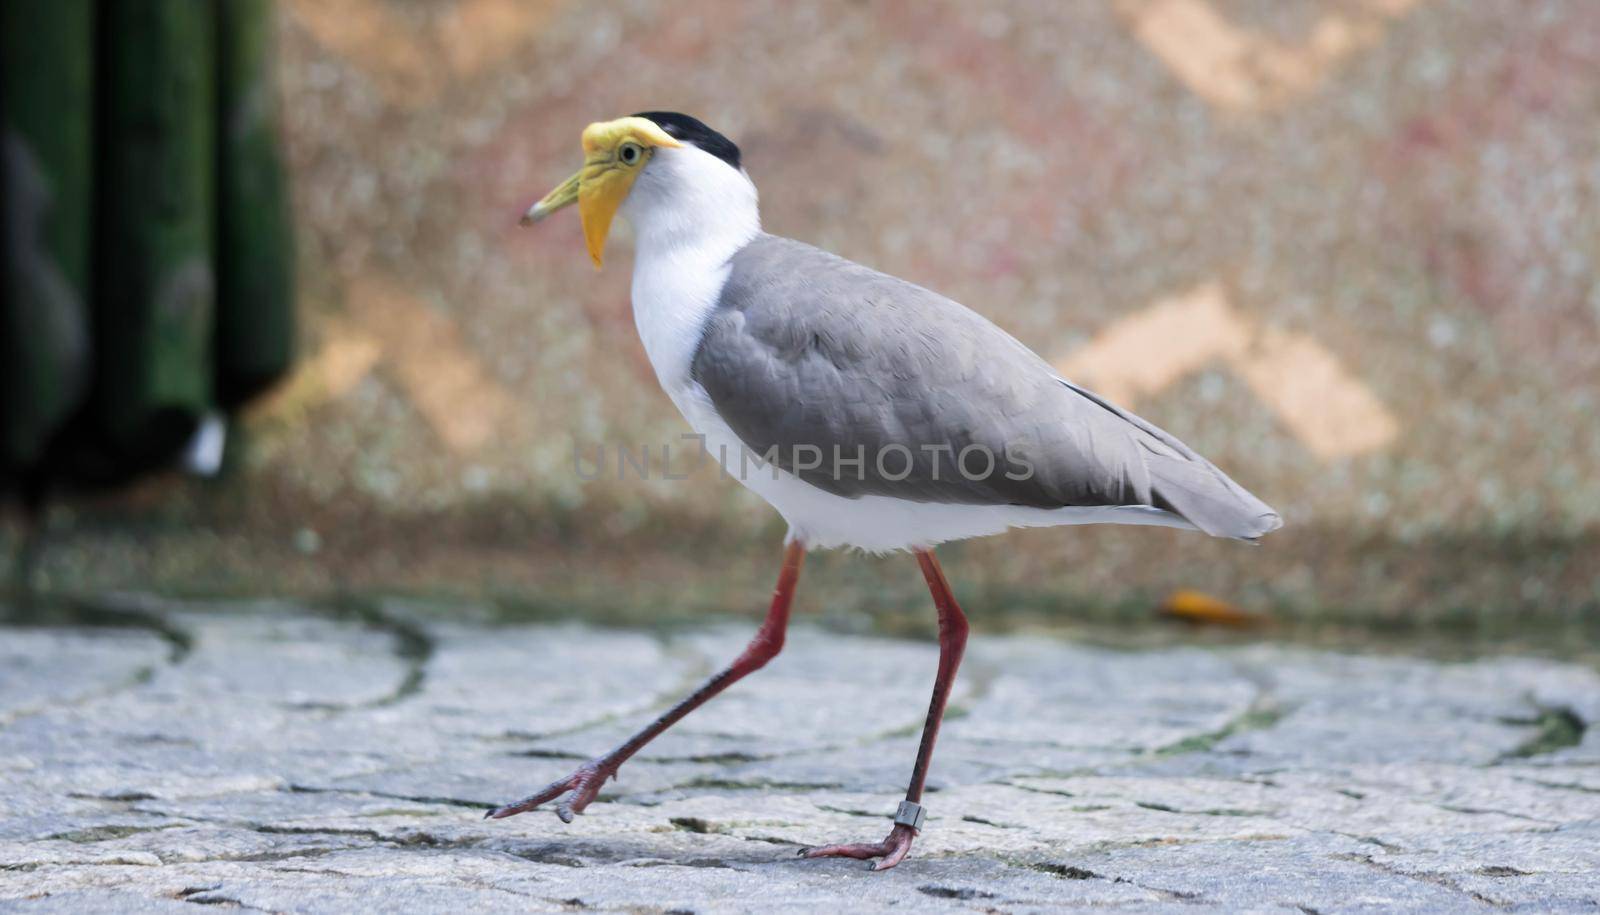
(690, 213)
(688, 198)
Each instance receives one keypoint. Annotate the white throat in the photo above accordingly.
(690, 213)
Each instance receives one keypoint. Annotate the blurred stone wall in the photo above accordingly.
(1346, 248)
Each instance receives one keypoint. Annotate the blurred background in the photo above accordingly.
(271, 328)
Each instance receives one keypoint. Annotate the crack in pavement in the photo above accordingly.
(995, 823)
(875, 815)
(1488, 811)
(108, 833)
(1563, 786)
(414, 646)
(1425, 877)
(1210, 812)
(1073, 872)
(102, 613)
(128, 611)
(212, 896)
(415, 798)
(1369, 840)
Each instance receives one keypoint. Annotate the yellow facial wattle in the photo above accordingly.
(613, 154)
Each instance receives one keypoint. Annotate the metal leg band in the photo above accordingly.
(910, 814)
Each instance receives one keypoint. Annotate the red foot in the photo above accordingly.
(892, 849)
(584, 783)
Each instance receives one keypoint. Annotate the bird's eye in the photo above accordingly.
(630, 153)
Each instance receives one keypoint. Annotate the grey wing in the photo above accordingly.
(890, 389)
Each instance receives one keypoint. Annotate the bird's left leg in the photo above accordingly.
(584, 784)
(908, 819)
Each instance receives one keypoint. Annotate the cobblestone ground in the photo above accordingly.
(283, 760)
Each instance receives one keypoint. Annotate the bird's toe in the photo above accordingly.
(893, 849)
(584, 784)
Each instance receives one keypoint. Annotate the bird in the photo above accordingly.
(870, 412)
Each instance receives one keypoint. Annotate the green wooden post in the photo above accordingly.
(155, 288)
(46, 71)
(255, 286)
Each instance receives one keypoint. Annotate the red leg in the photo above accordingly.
(586, 781)
(952, 643)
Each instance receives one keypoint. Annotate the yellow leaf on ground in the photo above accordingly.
(1200, 608)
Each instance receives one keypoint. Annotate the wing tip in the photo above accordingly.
(1263, 525)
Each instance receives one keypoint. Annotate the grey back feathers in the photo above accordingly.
(808, 350)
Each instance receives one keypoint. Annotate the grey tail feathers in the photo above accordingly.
(1208, 499)
(1187, 484)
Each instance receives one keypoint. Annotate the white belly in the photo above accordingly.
(878, 524)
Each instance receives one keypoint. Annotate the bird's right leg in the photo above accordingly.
(908, 819)
(586, 781)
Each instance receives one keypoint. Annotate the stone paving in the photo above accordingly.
(279, 759)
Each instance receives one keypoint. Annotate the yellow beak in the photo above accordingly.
(604, 181)
(565, 194)
(598, 189)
